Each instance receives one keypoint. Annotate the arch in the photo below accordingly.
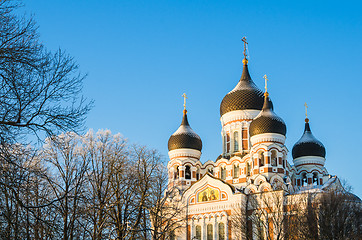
(265, 186)
(259, 180)
(251, 188)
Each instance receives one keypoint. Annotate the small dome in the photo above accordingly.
(267, 121)
(246, 95)
(308, 145)
(184, 137)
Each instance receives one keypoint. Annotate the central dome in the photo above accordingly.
(267, 121)
(246, 95)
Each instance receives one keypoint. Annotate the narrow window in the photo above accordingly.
(248, 169)
(198, 173)
(176, 172)
(304, 179)
(274, 158)
(221, 231)
(261, 159)
(198, 232)
(209, 232)
(188, 172)
(236, 141)
(315, 178)
(236, 171)
(227, 142)
(223, 173)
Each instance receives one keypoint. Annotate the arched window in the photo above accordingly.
(315, 178)
(209, 232)
(198, 173)
(176, 172)
(284, 159)
(261, 159)
(236, 141)
(223, 173)
(227, 142)
(274, 158)
(188, 172)
(248, 169)
(304, 179)
(236, 171)
(198, 232)
(211, 171)
(221, 231)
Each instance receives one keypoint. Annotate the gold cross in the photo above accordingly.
(266, 82)
(306, 110)
(184, 95)
(245, 42)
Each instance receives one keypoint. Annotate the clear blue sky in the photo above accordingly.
(141, 56)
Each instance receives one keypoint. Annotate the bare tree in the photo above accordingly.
(63, 157)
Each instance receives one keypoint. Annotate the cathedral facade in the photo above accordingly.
(253, 161)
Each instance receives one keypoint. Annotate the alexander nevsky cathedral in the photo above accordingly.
(253, 161)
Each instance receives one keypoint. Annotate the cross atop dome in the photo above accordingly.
(306, 112)
(266, 85)
(245, 60)
(184, 96)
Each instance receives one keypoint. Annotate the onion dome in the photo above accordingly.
(246, 95)
(308, 145)
(267, 121)
(184, 137)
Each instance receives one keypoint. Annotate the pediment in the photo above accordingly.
(208, 190)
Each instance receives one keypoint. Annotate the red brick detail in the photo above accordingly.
(242, 180)
(280, 170)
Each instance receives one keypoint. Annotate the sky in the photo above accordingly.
(141, 56)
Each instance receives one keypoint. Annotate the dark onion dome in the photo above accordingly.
(267, 121)
(246, 95)
(308, 145)
(184, 137)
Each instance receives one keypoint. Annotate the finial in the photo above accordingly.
(245, 60)
(184, 96)
(306, 112)
(266, 85)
